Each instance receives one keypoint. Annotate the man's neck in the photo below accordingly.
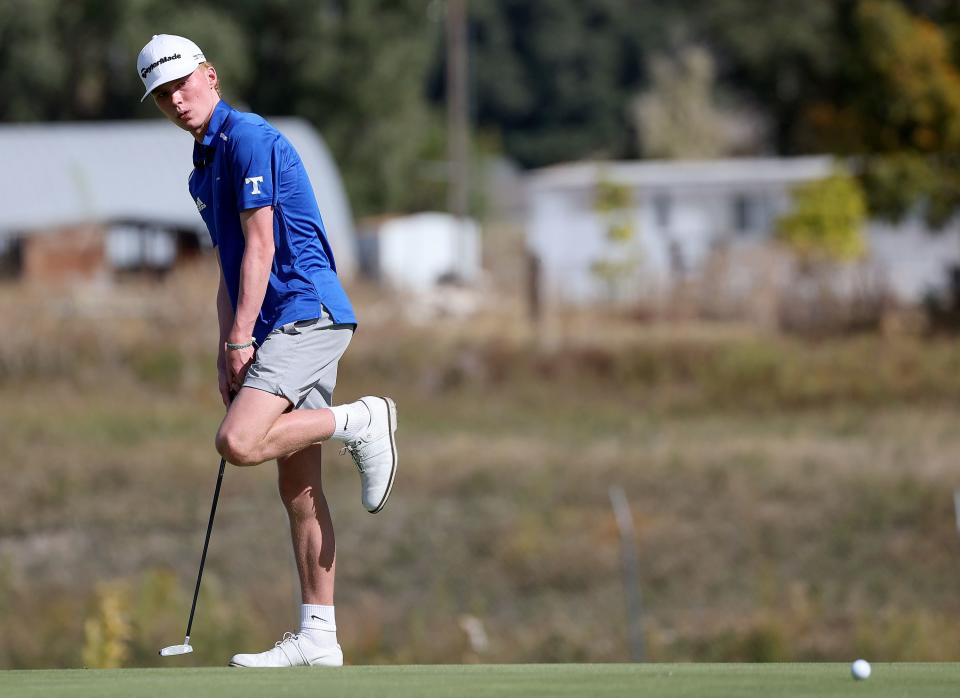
(202, 131)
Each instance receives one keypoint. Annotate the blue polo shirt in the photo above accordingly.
(243, 163)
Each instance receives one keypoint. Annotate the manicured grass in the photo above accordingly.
(660, 680)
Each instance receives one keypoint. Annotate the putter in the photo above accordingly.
(185, 648)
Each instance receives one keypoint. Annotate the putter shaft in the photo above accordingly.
(206, 544)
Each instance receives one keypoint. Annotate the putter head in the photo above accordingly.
(174, 650)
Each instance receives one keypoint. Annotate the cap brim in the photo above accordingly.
(155, 85)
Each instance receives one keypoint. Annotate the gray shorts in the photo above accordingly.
(299, 360)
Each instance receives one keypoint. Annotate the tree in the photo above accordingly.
(826, 221)
(778, 55)
(357, 70)
(900, 113)
(555, 79)
(618, 264)
(679, 116)
(77, 59)
(551, 81)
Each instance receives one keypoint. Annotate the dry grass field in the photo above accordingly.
(794, 499)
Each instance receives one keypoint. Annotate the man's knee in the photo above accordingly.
(236, 448)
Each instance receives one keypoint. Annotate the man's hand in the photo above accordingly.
(237, 362)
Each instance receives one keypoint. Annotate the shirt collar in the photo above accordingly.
(217, 120)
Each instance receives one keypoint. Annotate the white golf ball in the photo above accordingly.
(860, 669)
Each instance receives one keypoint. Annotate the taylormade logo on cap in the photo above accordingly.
(167, 57)
(146, 71)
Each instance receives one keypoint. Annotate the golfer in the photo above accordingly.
(285, 321)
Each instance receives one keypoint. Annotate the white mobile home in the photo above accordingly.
(668, 216)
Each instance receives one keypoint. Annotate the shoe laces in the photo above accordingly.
(287, 637)
(353, 448)
(291, 638)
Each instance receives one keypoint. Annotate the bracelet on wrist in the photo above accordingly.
(234, 347)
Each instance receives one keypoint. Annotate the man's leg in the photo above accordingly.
(258, 428)
(314, 545)
(311, 528)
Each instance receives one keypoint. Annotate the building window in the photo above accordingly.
(661, 211)
(136, 248)
(11, 257)
(748, 214)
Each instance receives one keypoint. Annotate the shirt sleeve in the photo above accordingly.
(253, 155)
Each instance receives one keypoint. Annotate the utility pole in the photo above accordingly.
(458, 135)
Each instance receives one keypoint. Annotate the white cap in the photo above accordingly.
(167, 57)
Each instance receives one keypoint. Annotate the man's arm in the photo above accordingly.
(225, 320)
(255, 269)
(224, 309)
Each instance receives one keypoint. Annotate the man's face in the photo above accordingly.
(189, 101)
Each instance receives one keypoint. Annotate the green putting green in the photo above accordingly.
(655, 680)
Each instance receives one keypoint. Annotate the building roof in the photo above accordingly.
(68, 173)
(683, 173)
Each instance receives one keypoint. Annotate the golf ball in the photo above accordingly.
(860, 669)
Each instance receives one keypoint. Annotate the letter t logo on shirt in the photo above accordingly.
(255, 181)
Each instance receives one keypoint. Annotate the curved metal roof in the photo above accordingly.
(67, 173)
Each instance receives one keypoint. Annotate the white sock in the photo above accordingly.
(351, 419)
(318, 624)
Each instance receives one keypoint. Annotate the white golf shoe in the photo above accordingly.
(375, 453)
(292, 650)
